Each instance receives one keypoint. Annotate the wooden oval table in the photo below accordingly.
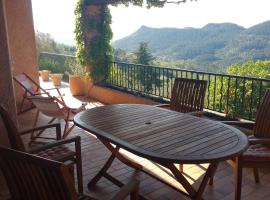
(162, 136)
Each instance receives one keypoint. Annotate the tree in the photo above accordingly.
(143, 56)
(148, 77)
(238, 95)
(45, 43)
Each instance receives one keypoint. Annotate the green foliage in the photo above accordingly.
(51, 54)
(236, 96)
(56, 63)
(143, 56)
(45, 43)
(259, 68)
(96, 52)
(254, 89)
(149, 3)
(75, 68)
(146, 76)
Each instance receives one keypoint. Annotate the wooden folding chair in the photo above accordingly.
(187, 95)
(56, 109)
(56, 150)
(32, 177)
(258, 154)
(31, 88)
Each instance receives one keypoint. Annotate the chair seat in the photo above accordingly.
(58, 153)
(85, 197)
(257, 152)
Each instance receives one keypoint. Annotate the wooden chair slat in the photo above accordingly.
(262, 121)
(31, 177)
(17, 144)
(188, 95)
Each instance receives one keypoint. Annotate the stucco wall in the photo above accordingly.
(111, 96)
(6, 87)
(21, 40)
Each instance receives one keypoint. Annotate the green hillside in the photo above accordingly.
(218, 45)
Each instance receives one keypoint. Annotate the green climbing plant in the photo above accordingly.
(93, 32)
(94, 52)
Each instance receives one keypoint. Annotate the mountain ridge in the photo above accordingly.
(220, 44)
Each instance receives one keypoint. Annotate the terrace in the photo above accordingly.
(121, 87)
(94, 155)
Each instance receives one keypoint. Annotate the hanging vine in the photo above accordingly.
(93, 35)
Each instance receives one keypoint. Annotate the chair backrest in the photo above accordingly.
(30, 177)
(262, 121)
(188, 95)
(47, 105)
(27, 83)
(14, 137)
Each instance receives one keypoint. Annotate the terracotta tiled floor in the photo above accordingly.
(95, 154)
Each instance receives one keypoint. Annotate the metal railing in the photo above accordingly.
(236, 96)
(56, 63)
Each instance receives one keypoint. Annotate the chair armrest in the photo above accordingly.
(163, 105)
(76, 139)
(197, 113)
(253, 140)
(240, 123)
(51, 88)
(58, 92)
(57, 126)
(131, 188)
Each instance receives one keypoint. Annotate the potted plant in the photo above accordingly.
(45, 75)
(79, 79)
(56, 79)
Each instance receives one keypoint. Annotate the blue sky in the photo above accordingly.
(56, 17)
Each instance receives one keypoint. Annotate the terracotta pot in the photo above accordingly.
(45, 75)
(56, 79)
(79, 85)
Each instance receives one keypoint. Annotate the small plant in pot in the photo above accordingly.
(79, 79)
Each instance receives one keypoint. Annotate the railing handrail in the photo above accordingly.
(58, 54)
(199, 72)
(174, 68)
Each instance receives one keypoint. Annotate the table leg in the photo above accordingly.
(208, 175)
(238, 176)
(103, 171)
(191, 192)
(197, 195)
(119, 156)
(182, 180)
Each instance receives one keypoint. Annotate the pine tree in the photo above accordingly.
(148, 77)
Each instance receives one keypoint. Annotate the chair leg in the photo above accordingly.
(256, 175)
(79, 166)
(71, 170)
(68, 130)
(33, 137)
(211, 181)
(21, 106)
(134, 195)
(181, 167)
(34, 125)
(238, 173)
(21, 110)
